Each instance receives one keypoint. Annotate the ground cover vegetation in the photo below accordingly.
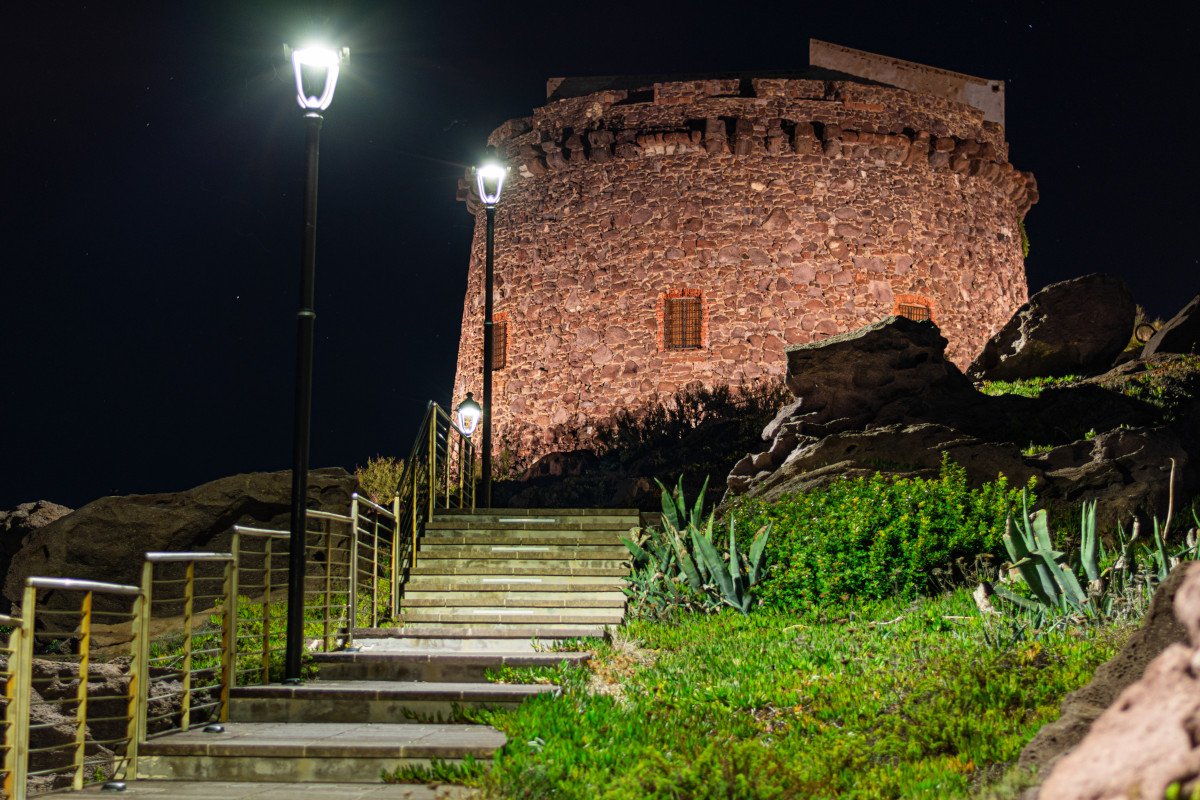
(865, 668)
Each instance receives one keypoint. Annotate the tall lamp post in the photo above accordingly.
(489, 179)
(316, 71)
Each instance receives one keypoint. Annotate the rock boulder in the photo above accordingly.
(1147, 739)
(17, 526)
(1080, 325)
(106, 539)
(1180, 334)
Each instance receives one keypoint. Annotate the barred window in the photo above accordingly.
(682, 329)
(913, 312)
(499, 341)
(914, 306)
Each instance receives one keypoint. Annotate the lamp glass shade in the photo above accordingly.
(467, 415)
(490, 180)
(316, 71)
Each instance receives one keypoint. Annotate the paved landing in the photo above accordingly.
(226, 790)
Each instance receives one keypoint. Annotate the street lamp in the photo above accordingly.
(489, 179)
(466, 415)
(316, 71)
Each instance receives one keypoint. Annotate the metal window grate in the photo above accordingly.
(682, 323)
(499, 344)
(916, 312)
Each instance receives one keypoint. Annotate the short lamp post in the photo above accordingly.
(466, 417)
(489, 179)
(316, 72)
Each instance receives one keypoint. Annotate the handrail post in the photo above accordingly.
(16, 718)
(81, 690)
(395, 600)
(139, 676)
(328, 612)
(432, 462)
(229, 633)
(354, 516)
(24, 679)
(189, 597)
(265, 665)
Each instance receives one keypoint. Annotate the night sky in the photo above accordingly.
(153, 175)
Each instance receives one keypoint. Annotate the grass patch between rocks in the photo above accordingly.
(882, 699)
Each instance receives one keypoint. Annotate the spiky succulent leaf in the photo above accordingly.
(716, 567)
(758, 553)
(1089, 542)
(1072, 591)
(735, 566)
(1015, 599)
(1019, 549)
(669, 514)
(640, 556)
(699, 507)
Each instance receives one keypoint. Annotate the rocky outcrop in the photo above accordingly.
(1180, 334)
(884, 398)
(1076, 326)
(1147, 739)
(1160, 628)
(17, 526)
(105, 540)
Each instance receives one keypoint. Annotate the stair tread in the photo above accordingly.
(500, 658)
(330, 740)
(384, 690)
(275, 790)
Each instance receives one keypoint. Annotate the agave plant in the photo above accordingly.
(682, 554)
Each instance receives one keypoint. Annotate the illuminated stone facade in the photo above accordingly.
(794, 207)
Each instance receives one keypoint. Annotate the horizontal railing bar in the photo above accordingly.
(370, 504)
(262, 532)
(5, 619)
(315, 514)
(75, 584)
(164, 557)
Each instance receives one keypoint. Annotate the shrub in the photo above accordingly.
(876, 537)
(377, 481)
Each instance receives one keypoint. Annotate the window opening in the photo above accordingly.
(682, 323)
(499, 341)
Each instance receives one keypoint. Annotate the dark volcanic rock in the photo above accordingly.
(17, 526)
(1180, 334)
(106, 539)
(1160, 628)
(1145, 739)
(1080, 325)
(883, 399)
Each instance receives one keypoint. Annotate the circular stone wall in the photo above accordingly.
(790, 210)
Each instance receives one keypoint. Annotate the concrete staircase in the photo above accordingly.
(490, 589)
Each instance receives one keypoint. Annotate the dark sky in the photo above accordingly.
(153, 169)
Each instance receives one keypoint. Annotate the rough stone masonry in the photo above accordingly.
(779, 209)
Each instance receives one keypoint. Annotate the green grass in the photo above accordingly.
(866, 700)
(1030, 387)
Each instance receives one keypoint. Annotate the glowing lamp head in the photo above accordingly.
(467, 415)
(316, 71)
(490, 179)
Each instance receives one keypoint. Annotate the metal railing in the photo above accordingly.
(89, 737)
(185, 675)
(439, 473)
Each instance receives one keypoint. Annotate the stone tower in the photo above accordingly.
(658, 232)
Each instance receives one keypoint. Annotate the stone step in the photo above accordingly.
(536, 516)
(512, 616)
(518, 567)
(524, 552)
(376, 701)
(514, 599)
(382, 660)
(477, 637)
(318, 752)
(275, 790)
(523, 537)
(506, 583)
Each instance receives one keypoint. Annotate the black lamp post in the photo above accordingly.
(489, 179)
(316, 77)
